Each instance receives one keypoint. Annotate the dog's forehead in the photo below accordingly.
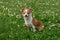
(25, 11)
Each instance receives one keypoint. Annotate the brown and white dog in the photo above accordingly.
(31, 22)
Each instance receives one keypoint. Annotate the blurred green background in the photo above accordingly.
(12, 25)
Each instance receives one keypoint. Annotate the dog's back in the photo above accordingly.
(37, 23)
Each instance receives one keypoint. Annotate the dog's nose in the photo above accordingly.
(26, 16)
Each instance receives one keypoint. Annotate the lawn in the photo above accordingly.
(12, 25)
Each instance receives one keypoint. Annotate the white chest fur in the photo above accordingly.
(28, 21)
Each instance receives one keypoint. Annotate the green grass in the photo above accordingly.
(12, 23)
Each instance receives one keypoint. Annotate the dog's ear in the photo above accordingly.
(30, 9)
(21, 10)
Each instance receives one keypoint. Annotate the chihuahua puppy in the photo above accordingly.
(31, 22)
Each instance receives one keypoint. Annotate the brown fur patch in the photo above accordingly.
(37, 23)
(29, 10)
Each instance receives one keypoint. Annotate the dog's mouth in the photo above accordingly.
(26, 16)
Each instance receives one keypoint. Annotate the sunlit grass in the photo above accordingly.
(12, 25)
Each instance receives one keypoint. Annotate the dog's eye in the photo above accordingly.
(28, 13)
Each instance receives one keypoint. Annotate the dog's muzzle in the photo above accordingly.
(26, 15)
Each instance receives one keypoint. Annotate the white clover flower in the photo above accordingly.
(11, 29)
(51, 26)
(57, 3)
(4, 14)
(56, 20)
(52, 12)
(59, 25)
(6, 8)
(56, 14)
(15, 8)
(49, 22)
(53, 4)
(1, 2)
(17, 5)
(47, 3)
(18, 1)
(24, 24)
(24, 3)
(14, 13)
(14, 22)
(7, 2)
(18, 16)
(3, 6)
(10, 14)
(18, 25)
(47, 11)
(33, 15)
